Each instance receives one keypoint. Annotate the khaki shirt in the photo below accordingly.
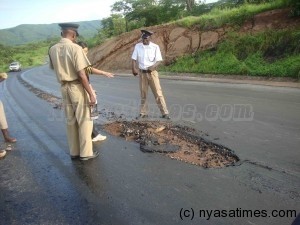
(67, 58)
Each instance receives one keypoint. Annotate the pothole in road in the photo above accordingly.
(177, 142)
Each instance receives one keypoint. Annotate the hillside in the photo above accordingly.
(28, 33)
(176, 41)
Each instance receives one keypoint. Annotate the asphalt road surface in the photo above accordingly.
(40, 184)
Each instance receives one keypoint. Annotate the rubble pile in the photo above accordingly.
(177, 142)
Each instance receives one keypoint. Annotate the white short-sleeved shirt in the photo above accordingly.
(146, 55)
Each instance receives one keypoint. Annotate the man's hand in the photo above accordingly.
(110, 75)
(135, 72)
(86, 85)
(154, 67)
(151, 68)
(92, 100)
(133, 66)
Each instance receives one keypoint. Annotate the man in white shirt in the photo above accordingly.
(147, 56)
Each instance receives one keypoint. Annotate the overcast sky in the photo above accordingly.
(16, 12)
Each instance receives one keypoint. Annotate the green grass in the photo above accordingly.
(270, 53)
(218, 17)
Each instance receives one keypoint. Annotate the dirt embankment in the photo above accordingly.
(175, 41)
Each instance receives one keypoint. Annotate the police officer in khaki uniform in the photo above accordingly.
(69, 62)
(148, 56)
(3, 122)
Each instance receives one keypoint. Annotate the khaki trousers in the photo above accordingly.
(3, 122)
(79, 125)
(152, 80)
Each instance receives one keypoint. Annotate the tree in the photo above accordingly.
(190, 4)
(123, 7)
(119, 24)
(171, 10)
(139, 13)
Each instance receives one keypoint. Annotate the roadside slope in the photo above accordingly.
(175, 41)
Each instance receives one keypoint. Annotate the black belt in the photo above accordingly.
(146, 71)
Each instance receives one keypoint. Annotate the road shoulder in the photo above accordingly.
(231, 79)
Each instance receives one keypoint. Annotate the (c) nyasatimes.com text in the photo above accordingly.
(189, 213)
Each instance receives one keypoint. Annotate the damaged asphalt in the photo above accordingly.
(40, 183)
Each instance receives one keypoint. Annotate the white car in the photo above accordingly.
(15, 66)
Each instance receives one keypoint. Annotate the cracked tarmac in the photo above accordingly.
(177, 142)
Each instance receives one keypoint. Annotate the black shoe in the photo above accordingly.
(95, 154)
(142, 116)
(166, 116)
(75, 156)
